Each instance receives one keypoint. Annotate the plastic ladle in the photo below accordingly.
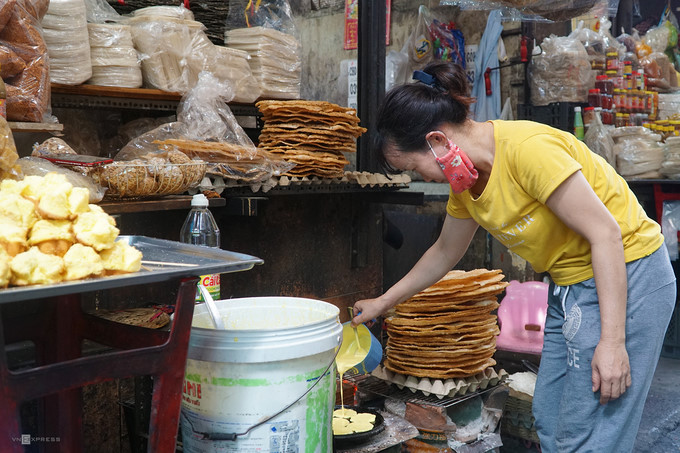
(360, 351)
(212, 309)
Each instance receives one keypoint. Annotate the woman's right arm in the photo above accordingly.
(439, 259)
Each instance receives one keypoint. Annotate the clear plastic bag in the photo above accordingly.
(268, 32)
(100, 12)
(8, 152)
(174, 49)
(66, 37)
(661, 75)
(670, 225)
(115, 61)
(37, 166)
(670, 167)
(541, 10)
(639, 153)
(599, 141)
(28, 92)
(272, 14)
(561, 73)
(396, 69)
(206, 129)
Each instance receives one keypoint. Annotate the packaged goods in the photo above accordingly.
(670, 167)
(8, 151)
(174, 49)
(561, 73)
(205, 132)
(28, 96)
(599, 141)
(65, 33)
(36, 166)
(114, 59)
(639, 153)
(275, 59)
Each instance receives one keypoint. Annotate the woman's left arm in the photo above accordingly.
(577, 205)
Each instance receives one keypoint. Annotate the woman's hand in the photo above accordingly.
(611, 370)
(367, 309)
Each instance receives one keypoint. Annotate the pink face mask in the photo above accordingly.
(457, 167)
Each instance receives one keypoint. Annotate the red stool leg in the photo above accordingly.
(167, 390)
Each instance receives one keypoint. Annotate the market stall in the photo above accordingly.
(154, 103)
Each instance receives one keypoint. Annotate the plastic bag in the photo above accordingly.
(639, 153)
(100, 12)
(670, 167)
(275, 58)
(658, 37)
(419, 44)
(68, 46)
(542, 10)
(660, 72)
(8, 152)
(594, 44)
(206, 129)
(506, 113)
(670, 225)
(561, 73)
(396, 69)
(599, 141)
(174, 49)
(38, 166)
(28, 91)
(114, 58)
(272, 14)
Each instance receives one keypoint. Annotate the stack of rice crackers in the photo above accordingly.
(447, 330)
(312, 134)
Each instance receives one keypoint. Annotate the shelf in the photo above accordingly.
(35, 127)
(94, 96)
(168, 203)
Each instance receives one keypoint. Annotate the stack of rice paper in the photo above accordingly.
(447, 330)
(114, 58)
(65, 32)
(312, 134)
(275, 59)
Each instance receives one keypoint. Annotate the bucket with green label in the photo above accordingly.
(264, 384)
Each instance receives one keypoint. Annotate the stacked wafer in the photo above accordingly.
(447, 330)
(312, 134)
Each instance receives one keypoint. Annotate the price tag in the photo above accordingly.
(352, 84)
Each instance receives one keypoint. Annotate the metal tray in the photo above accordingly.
(161, 260)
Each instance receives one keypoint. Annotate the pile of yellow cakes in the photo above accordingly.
(50, 233)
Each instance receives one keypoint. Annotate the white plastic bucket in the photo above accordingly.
(273, 350)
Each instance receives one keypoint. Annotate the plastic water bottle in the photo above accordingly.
(200, 228)
(579, 130)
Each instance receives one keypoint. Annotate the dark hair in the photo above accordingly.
(410, 111)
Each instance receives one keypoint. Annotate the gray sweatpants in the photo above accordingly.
(569, 416)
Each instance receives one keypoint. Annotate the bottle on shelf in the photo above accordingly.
(200, 228)
(579, 130)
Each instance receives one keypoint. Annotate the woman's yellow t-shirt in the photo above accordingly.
(531, 161)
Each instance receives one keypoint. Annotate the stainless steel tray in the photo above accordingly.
(162, 260)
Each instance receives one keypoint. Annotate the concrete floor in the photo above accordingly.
(660, 426)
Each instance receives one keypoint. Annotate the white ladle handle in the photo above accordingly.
(212, 308)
